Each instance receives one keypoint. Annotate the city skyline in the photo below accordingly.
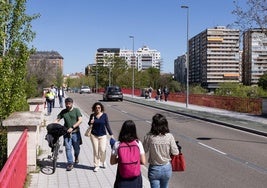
(77, 30)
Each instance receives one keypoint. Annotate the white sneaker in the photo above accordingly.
(104, 165)
(96, 169)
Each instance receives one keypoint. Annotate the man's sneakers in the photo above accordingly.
(69, 167)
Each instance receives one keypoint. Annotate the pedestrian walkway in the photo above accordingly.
(243, 121)
(82, 175)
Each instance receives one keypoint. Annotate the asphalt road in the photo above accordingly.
(216, 156)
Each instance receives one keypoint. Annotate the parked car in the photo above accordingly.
(85, 89)
(112, 93)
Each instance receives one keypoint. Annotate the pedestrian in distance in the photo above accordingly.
(150, 89)
(49, 97)
(160, 145)
(54, 90)
(72, 120)
(129, 154)
(100, 126)
(166, 93)
(60, 96)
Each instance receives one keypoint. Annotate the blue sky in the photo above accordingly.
(77, 28)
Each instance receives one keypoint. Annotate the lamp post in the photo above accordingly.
(133, 65)
(187, 55)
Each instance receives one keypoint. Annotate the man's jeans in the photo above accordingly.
(72, 140)
(159, 175)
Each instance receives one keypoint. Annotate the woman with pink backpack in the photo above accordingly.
(129, 154)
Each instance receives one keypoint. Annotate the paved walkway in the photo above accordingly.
(83, 176)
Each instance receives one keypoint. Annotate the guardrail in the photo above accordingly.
(14, 173)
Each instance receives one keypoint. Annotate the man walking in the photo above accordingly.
(72, 119)
(60, 96)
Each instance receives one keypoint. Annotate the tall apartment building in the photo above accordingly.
(214, 57)
(103, 53)
(142, 59)
(180, 69)
(254, 55)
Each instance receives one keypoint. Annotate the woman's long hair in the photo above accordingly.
(159, 125)
(128, 132)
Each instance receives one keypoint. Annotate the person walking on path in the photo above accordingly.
(49, 97)
(128, 137)
(60, 96)
(160, 144)
(166, 93)
(100, 125)
(72, 119)
(54, 90)
(150, 89)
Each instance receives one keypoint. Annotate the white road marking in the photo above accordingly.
(212, 148)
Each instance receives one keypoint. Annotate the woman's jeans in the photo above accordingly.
(72, 140)
(159, 175)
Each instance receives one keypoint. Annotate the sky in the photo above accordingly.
(77, 28)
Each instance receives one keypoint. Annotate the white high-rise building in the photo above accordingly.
(214, 57)
(144, 58)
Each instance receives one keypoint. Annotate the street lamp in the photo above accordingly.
(187, 56)
(133, 65)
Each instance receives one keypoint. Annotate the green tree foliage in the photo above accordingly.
(197, 89)
(31, 86)
(15, 34)
(175, 86)
(239, 90)
(263, 81)
(59, 78)
(154, 75)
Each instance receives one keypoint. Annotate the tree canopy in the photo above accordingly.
(15, 35)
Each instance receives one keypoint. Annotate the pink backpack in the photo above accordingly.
(129, 159)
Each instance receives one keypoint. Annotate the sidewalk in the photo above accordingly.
(82, 174)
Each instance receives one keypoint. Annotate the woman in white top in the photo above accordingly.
(128, 138)
(160, 144)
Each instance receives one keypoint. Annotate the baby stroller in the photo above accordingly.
(54, 132)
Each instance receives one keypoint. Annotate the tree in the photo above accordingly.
(254, 15)
(154, 75)
(239, 90)
(15, 34)
(263, 81)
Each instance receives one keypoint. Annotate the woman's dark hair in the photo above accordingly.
(98, 104)
(159, 125)
(128, 132)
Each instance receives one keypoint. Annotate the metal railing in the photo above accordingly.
(14, 172)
